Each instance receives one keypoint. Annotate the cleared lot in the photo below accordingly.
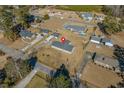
(96, 76)
(38, 81)
(118, 39)
(101, 49)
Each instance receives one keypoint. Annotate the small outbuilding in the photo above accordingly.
(26, 34)
(55, 34)
(45, 31)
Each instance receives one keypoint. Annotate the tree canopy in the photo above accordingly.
(60, 79)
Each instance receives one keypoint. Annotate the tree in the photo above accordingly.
(60, 79)
(60, 82)
(112, 25)
(24, 67)
(6, 24)
(11, 73)
(2, 53)
(46, 17)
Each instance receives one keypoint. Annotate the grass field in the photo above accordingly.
(38, 81)
(99, 77)
(81, 8)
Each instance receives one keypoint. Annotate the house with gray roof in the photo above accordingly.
(107, 62)
(75, 28)
(64, 47)
(95, 39)
(55, 34)
(107, 42)
(26, 34)
(45, 31)
(87, 16)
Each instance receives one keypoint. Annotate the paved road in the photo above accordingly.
(26, 80)
(86, 58)
(43, 68)
(11, 52)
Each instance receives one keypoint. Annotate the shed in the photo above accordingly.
(56, 35)
(45, 31)
(26, 34)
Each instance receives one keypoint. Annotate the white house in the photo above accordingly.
(95, 39)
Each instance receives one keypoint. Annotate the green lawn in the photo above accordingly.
(81, 8)
(38, 81)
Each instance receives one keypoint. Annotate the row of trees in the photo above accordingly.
(10, 17)
(14, 71)
(112, 24)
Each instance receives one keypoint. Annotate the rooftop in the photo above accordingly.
(45, 30)
(63, 46)
(55, 34)
(75, 28)
(87, 14)
(106, 40)
(25, 33)
(95, 38)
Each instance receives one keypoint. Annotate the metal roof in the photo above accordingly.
(87, 14)
(55, 34)
(25, 33)
(106, 40)
(45, 30)
(75, 28)
(95, 38)
(63, 46)
(106, 60)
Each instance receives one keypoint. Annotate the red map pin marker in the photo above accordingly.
(62, 39)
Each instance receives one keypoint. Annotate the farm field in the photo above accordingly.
(81, 8)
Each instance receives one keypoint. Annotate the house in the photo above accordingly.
(107, 62)
(100, 18)
(45, 31)
(95, 39)
(64, 47)
(26, 34)
(87, 16)
(107, 42)
(55, 34)
(75, 28)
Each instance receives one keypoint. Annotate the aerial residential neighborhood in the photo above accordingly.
(61, 47)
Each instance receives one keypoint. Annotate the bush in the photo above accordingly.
(2, 53)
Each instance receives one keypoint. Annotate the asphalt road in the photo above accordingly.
(27, 79)
(15, 54)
